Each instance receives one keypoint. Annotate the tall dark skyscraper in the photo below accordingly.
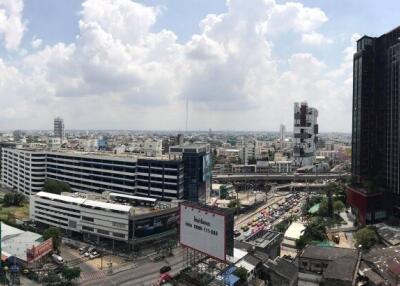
(375, 128)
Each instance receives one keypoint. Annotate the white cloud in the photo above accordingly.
(293, 16)
(11, 25)
(36, 43)
(119, 73)
(315, 38)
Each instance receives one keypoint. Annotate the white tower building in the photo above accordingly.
(59, 128)
(305, 131)
(282, 132)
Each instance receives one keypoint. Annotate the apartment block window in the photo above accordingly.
(103, 231)
(88, 228)
(121, 235)
(88, 218)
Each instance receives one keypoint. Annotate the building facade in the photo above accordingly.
(305, 134)
(105, 218)
(196, 160)
(375, 124)
(27, 170)
(59, 131)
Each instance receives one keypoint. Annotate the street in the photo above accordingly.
(146, 273)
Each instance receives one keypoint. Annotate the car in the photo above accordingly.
(259, 224)
(246, 228)
(254, 223)
(89, 251)
(165, 269)
(83, 249)
(94, 254)
(57, 259)
(158, 258)
(236, 233)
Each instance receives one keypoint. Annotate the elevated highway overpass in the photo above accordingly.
(289, 177)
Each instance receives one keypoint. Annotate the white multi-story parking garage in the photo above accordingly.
(26, 171)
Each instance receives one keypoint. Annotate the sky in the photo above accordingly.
(122, 64)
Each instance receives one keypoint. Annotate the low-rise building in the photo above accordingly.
(281, 272)
(293, 233)
(264, 241)
(332, 266)
(105, 218)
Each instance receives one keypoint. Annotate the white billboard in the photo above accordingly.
(203, 230)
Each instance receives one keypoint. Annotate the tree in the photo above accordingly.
(223, 192)
(55, 187)
(13, 199)
(234, 203)
(338, 206)
(70, 273)
(54, 233)
(366, 237)
(242, 273)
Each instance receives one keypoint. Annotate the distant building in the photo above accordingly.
(282, 132)
(305, 134)
(152, 148)
(18, 135)
(59, 131)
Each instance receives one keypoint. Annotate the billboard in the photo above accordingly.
(37, 252)
(205, 229)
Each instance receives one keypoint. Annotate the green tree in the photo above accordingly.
(55, 187)
(54, 233)
(13, 199)
(242, 273)
(338, 206)
(223, 192)
(234, 203)
(70, 273)
(302, 242)
(366, 237)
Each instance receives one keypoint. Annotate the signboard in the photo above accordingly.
(205, 229)
(37, 252)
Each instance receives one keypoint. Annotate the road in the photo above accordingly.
(145, 274)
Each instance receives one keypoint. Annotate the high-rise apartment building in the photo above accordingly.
(375, 128)
(305, 134)
(59, 128)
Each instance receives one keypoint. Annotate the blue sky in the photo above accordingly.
(242, 69)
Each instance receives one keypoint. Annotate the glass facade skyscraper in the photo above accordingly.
(375, 127)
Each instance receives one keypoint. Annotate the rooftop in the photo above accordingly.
(295, 230)
(327, 253)
(15, 242)
(283, 268)
(389, 234)
(342, 268)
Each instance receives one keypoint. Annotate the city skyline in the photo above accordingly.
(74, 59)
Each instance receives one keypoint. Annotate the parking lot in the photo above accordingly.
(89, 262)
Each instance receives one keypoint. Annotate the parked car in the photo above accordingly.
(83, 249)
(94, 254)
(57, 259)
(236, 233)
(90, 250)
